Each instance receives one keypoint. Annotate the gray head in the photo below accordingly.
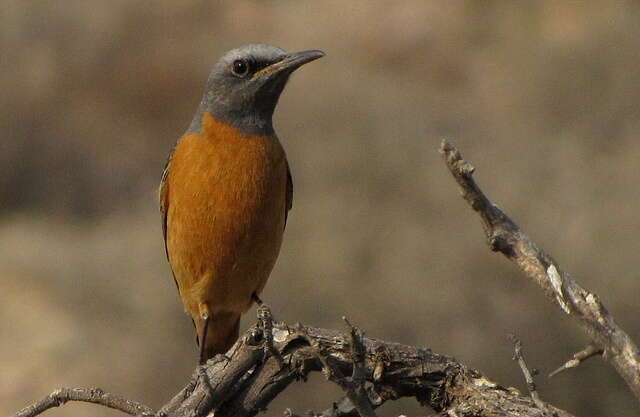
(245, 84)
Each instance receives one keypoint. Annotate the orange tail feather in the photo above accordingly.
(222, 333)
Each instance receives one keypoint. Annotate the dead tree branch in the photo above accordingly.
(585, 307)
(435, 380)
(528, 375)
(89, 395)
(355, 388)
(588, 352)
(245, 381)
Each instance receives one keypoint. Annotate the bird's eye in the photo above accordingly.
(240, 67)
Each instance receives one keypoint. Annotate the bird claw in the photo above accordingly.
(265, 322)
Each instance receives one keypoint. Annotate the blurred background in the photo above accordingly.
(541, 96)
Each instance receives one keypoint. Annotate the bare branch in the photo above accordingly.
(88, 395)
(356, 397)
(354, 389)
(505, 236)
(170, 407)
(528, 377)
(244, 382)
(223, 378)
(342, 408)
(437, 381)
(579, 357)
(358, 394)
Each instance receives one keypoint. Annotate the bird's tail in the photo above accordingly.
(221, 334)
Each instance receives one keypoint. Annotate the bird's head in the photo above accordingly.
(245, 84)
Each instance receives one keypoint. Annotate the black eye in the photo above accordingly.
(240, 67)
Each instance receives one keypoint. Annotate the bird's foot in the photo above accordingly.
(265, 322)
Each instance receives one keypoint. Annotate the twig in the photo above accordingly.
(579, 357)
(505, 236)
(89, 395)
(353, 389)
(358, 393)
(528, 377)
(341, 408)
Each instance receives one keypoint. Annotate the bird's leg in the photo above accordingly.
(265, 321)
(205, 327)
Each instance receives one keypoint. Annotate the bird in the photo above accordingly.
(226, 192)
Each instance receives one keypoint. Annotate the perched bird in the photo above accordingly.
(226, 190)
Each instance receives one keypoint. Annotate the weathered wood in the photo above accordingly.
(244, 382)
(389, 370)
(582, 305)
(88, 395)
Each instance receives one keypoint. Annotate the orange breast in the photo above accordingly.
(226, 213)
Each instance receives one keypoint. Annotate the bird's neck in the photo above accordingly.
(248, 123)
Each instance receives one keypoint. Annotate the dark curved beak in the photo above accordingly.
(295, 60)
(289, 63)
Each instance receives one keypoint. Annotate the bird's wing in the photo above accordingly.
(163, 197)
(289, 194)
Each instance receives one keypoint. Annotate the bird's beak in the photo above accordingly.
(289, 63)
(295, 60)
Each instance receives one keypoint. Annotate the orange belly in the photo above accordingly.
(226, 214)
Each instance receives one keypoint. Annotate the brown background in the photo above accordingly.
(541, 96)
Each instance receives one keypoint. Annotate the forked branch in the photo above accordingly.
(245, 381)
(504, 236)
